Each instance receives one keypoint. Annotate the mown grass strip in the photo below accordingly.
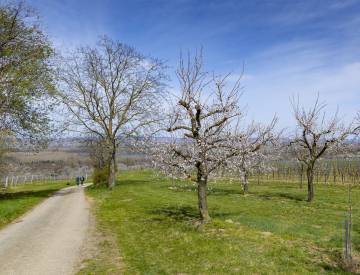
(272, 231)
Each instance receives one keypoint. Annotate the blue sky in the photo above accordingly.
(287, 46)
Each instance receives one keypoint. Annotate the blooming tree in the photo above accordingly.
(247, 145)
(202, 121)
(206, 132)
(357, 128)
(314, 135)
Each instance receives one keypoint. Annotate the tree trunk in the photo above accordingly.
(301, 176)
(310, 176)
(204, 214)
(112, 168)
(246, 184)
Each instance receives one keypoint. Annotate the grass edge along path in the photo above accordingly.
(16, 201)
(273, 231)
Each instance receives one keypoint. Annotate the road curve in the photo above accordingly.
(48, 239)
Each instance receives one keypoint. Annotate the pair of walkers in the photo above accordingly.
(78, 179)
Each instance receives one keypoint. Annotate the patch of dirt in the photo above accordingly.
(197, 223)
(266, 234)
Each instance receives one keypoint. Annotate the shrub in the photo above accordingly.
(101, 175)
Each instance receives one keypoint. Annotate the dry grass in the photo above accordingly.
(49, 155)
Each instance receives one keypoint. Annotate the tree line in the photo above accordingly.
(110, 94)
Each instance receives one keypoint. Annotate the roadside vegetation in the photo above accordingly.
(272, 231)
(16, 201)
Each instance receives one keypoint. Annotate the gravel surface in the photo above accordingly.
(50, 238)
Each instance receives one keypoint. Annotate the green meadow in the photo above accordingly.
(156, 229)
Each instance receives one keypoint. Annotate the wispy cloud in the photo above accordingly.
(73, 22)
(288, 47)
(343, 4)
(301, 68)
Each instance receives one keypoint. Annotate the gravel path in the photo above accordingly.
(47, 240)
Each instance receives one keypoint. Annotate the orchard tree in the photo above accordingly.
(206, 132)
(202, 121)
(249, 146)
(357, 128)
(111, 91)
(26, 74)
(314, 135)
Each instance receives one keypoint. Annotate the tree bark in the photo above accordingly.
(112, 168)
(310, 176)
(246, 184)
(301, 176)
(204, 214)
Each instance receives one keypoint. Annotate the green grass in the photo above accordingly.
(272, 231)
(18, 200)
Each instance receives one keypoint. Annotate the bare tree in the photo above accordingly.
(111, 91)
(314, 135)
(97, 151)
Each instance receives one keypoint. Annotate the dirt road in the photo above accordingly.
(48, 239)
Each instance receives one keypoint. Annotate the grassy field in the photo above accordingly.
(18, 200)
(273, 231)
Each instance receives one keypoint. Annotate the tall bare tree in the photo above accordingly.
(314, 135)
(111, 91)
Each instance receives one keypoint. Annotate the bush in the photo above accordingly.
(101, 175)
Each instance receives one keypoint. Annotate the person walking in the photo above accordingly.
(77, 181)
(82, 180)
